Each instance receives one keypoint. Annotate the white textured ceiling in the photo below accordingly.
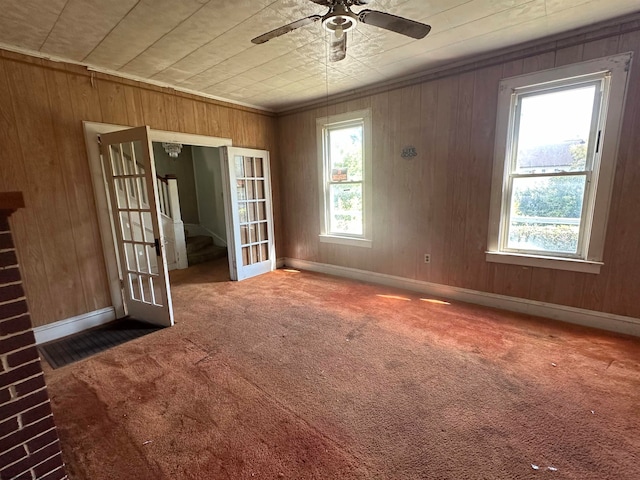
(205, 46)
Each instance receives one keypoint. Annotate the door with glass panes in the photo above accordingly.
(130, 176)
(249, 212)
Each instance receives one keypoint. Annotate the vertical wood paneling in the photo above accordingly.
(113, 102)
(442, 206)
(154, 109)
(45, 193)
(85, 99)
(568, 55)
(77, 186)
(15, 178)
(425, 208)
(458, 183)
(202, 119)
(133, 102)
(600, 48)
(445, 143)
(42, 106)
(171, 113)
(187, 119)
(404, 124)
(382, 180)
(219, 121)
(477, 272)
(539, 62)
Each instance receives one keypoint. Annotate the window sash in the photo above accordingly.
(330, 228)
(590, 170)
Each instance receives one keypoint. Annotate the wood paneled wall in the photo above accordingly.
(42, 154)
(438, 202)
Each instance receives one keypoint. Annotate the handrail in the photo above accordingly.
(163, 195)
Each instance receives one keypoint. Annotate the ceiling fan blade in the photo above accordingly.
(361, 2)
(401, 25)
(286, 29)
(338, 48)
(326, 3)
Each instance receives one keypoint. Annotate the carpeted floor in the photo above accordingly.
(305, 376)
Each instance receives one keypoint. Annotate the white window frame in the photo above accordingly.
(323, 126)
(614, 72)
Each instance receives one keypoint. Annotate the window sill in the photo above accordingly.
(350, 241)
(558, 263)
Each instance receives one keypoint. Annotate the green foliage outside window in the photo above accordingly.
(346, 152)
(558, 197)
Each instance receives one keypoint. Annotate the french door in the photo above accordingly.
(249, 212)
(130, 174)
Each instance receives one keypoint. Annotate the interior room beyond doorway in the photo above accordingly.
(197, 231)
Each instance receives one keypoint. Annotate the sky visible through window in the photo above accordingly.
(556, 117)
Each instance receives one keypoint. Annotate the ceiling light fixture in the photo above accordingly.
(339, 21)
(172, 149)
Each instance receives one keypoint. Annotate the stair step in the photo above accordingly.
(198, 242)
(212, 252)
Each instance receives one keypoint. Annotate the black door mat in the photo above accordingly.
(82, 345)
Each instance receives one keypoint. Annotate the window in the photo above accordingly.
(556, 145)
(345, 157)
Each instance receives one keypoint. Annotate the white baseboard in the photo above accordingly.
(589, 318)
(280, 262)
(63, 328)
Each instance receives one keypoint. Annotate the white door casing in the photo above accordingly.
(248, 211)
(130, 172)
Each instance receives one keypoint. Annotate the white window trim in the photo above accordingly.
(364, 240)
(618, 67)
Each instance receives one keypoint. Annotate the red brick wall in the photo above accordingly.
(29, 445)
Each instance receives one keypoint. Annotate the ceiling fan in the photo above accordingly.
(340, 19)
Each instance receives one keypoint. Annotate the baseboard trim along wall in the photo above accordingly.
(63, 328)
(588, 318)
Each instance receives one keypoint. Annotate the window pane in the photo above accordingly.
(345, 210)
(248, 167)
(261, 208)
(264, 252)
(239, 162)
(263, 231)
(244, 234)
(345, 154)
(259, 170)
(545, 213)
(554, 130)
(134, 287)
(242, 189)
(242, 212)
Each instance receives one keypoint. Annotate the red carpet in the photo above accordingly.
(306, 376)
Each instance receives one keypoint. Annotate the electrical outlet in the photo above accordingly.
(427, 258)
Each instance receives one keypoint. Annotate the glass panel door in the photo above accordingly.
(130, 174)
(249, 212)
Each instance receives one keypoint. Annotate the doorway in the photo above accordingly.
(246, 193)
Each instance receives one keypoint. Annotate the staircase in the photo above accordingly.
(200, 248)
